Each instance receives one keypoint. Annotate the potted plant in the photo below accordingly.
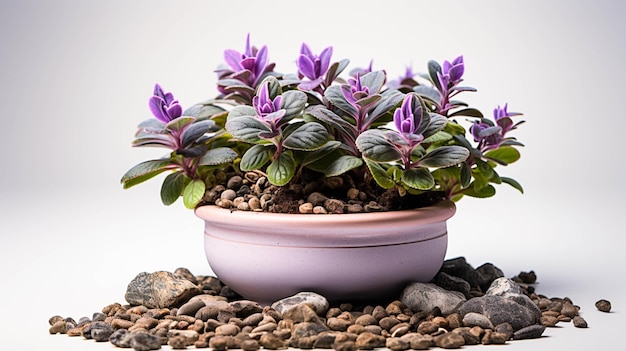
(366, 167)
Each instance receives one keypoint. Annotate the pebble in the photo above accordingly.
(603, 305)
(307, 320)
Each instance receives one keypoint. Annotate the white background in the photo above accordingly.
(76, 76)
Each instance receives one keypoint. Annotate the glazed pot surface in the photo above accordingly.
(363, 256)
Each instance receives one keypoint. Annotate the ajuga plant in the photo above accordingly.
(405, 136)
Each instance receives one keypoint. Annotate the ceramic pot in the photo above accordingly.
(344, 257)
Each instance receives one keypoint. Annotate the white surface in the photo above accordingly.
(76, 76)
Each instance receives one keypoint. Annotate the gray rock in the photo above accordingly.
(473, 319)
(244, 308)
(159, 290)
(318, 302)
(450, 282)
(142, 341)
(501, 310)
(426, 296)
(504, 286)
(486, 274)
(529, 332)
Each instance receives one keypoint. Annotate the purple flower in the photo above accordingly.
(252, 60)
(503, 118)
(354, 91)
(408, 75)
(312, 66)
(266, 108)
(408, 118)
(451, 72)
(163, 105)
(488, 136)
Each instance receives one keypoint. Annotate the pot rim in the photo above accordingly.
(322, 230)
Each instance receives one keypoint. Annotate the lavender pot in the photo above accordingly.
(362, 256)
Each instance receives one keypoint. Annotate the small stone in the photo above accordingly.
(397, 344)
(366, 319)
(387, 322)
(352, 194)
(319, 210)
(504, 328)
(119, 323)
(55, 319)
(473, 319)
(243, 206)
(234, 182)
(59, 327)
(603, 305)
(419, 342)
(254, 203)
(227, 329)
(271, 341)
(373, 207)
(504, 287)
(569, 310)
(334, 206)
(549, 321)
(338, 324)
(345, 346)
(306, 208)
(470, 339)
(250, 345)
(189, 336)
(427, 327)
(141, 341)
(318, 302)
(486, 274)
(529, 332)
(527, 277)
(354, 208)
(454, 320)
(334, 182)
(579, 322)
(228, 194)
(177, 343)
(427, 296)
(449, 341)
(159, 289)
(219, 342)
(316, 198)
(494, 338)
(191, 307)
(369, 341)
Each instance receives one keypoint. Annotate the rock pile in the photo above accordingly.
(182, 310)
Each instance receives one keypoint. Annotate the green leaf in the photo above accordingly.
(433, 69)
(503, 155)
(380, 175)
(485, 169)
(484, 192)
(466, 175)
(513, 183)
(172, 187)
(418, 178)
(179, 123)
(335, 96)
(321, 152)
(241, 111)
(342, 164)
(468, 112)
(309, 136)
(375, 146)
(436, 123)
(373, 81)
(196, 130)
(144, 171)
(293, 102)
(218, 156)
(256, 157)
(438, 137)
(282, 169)
(246, 128)
(193, 193)
(444, 156)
